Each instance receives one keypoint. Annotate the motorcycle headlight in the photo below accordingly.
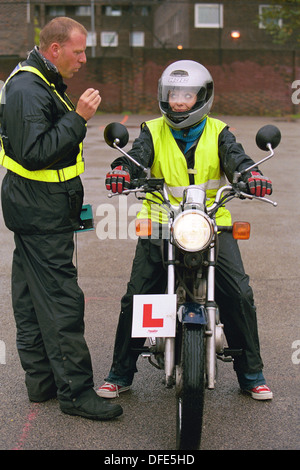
(192, 231)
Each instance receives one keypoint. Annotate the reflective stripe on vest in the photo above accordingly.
(46, 175)
(170, 163)
(177, 191)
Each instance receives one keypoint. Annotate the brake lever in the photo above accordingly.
(125, 192)
(239, 186)
(145, 185)
(262, 199)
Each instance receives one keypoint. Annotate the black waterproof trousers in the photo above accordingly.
(233, 295)
(48, 306)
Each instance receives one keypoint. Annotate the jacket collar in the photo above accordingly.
(49, 70)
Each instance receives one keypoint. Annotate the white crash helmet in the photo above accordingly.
(186, 75)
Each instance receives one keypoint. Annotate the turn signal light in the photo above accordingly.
(143, 227)
(241, 230)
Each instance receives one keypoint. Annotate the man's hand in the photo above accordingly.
(88, 103)
(117, 180)
(258, 184)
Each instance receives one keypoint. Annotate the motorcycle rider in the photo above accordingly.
(186, 146)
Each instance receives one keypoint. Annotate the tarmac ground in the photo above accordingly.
(232, 421)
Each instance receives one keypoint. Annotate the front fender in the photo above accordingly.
(191, 312)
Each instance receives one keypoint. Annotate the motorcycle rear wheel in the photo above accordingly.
(190, 387)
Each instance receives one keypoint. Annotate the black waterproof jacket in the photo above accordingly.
(39, 132)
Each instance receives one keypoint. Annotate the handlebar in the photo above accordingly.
(234, 190)
(267, 138)
(237, 190)
(143, 185)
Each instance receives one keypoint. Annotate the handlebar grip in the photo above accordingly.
(147, 183)
(135, 183)
(242, 186)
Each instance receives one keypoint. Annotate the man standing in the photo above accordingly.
(42, 195)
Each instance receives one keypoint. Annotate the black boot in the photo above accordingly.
(89, 405)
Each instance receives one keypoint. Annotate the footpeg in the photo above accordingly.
(229, 354)
(143, 351)
(232, 352)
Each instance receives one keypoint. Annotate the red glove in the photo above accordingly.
(117, 180)
(259, 185)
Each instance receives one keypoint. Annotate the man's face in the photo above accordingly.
(71, 54)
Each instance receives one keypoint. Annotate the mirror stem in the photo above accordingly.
(237, 174)
(117, 141)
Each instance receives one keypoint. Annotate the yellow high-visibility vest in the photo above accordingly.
(47, 175)
(170, 164)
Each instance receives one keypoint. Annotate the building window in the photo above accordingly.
(83, 11)
(145, 11)
(208, 15)
(269, 10)
(113, 11)
(56, 10)
(91, 39)
(109, 39)
(137, 39)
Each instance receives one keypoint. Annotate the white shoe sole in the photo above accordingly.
(260, 396)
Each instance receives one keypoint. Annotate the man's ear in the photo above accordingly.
(55, 49)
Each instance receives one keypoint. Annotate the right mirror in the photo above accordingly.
(268, 134)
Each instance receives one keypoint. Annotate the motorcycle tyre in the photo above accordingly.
(191, 388)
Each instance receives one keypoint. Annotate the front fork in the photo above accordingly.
(170, 342)
(215, 338)
(211, 311)
(214, 329)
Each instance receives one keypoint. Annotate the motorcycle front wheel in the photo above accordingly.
(190, 387)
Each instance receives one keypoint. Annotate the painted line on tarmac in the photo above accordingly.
(27, 427)
(125, 119)
(33, 413)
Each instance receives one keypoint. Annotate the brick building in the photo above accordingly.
(231, 24)
(114, 27)
(131, 42)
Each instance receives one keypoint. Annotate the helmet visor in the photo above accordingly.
(180, 99)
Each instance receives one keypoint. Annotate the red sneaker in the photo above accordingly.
(109, 390)
(260, 392)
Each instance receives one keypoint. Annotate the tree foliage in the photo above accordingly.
(282, 20)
